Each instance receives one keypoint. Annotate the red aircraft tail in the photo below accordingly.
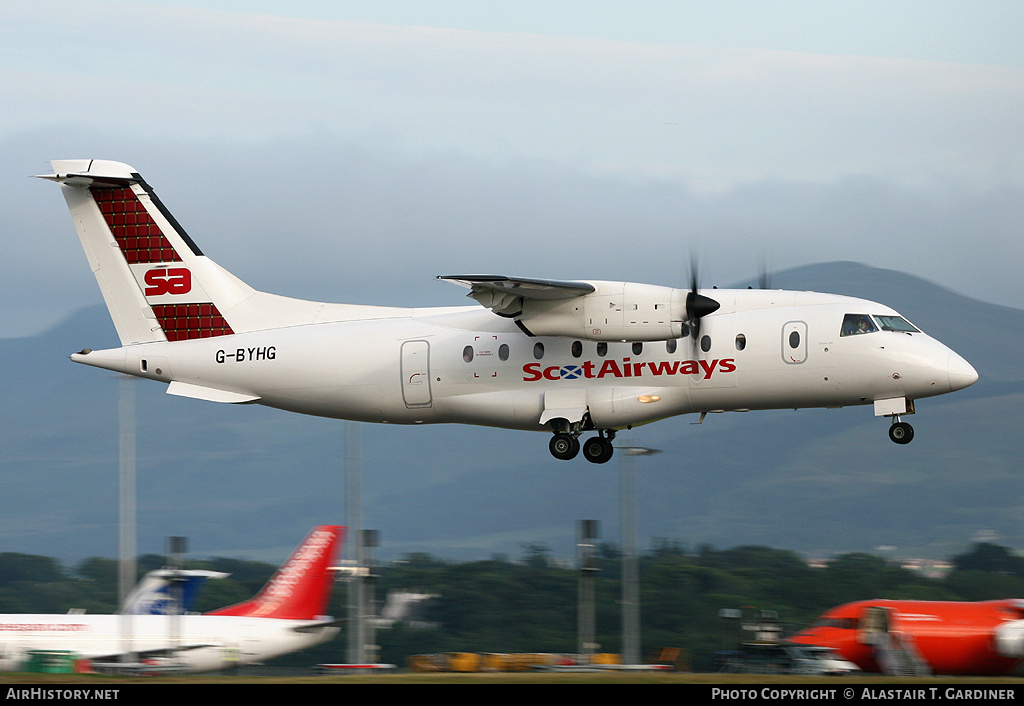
(301, 588)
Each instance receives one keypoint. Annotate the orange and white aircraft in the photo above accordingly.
(566, 357)
(288, 614)
(937, 637)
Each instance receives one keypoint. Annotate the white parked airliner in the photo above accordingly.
(566, 357)
(288, 614)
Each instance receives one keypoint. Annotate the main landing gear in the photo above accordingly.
(901, 432)
(565, 446)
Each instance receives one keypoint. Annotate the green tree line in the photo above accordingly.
(530, 604)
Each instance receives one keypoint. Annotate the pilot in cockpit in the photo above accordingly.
(854, 324)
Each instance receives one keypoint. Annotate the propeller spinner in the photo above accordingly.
(697, 305)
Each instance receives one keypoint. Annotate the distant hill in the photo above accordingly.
(245, 480)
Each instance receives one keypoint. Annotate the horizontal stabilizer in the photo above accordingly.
(92, 172)
(322, 625)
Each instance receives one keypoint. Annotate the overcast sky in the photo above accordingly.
(351, 151)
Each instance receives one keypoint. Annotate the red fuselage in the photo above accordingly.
(952, 637)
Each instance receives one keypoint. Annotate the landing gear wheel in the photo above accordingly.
(901, 433)
(564, 446)
(598, 450)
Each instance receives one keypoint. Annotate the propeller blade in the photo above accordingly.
(697, 305)
(764, 276)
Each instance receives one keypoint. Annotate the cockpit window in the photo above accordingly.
(854, 324)
(841, 623)
(895, 323)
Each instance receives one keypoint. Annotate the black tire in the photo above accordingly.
(901, 433)
(564, 446)
(598, 450)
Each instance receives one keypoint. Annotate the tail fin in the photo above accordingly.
(301, 588)
(152, 595)
(156, 283)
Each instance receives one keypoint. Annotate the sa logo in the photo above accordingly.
(172, 280)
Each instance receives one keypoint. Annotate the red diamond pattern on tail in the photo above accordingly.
(182, 322)
(135, 231)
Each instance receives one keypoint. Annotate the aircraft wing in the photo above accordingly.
(504, 295)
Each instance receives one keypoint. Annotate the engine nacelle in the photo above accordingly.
(615, 311)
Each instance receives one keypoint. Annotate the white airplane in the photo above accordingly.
(285, 616)
(556, 356)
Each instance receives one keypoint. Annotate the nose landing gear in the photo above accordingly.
(901, 432)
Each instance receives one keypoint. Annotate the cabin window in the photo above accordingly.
(670, 345)
(741, 341)
(602, 348)
(794, 339)
(538, 350)
(577, 349)
(856, 324)
(467, 354)
(638, 348)
(503, 351)
(705, 343)
(895, 323)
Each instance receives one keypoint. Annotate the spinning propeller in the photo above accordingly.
(697, 305)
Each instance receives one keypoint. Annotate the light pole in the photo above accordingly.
(176, 548)
(126, 512)
(586, 626)
(353, 518)
(630, 571)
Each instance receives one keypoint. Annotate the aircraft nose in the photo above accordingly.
(961, 373)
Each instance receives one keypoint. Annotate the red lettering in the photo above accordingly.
(172, 280)
(708, 368)
(664, 367)
(532, 371)
(690, 367)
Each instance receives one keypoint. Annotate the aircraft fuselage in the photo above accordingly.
(767, 350)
